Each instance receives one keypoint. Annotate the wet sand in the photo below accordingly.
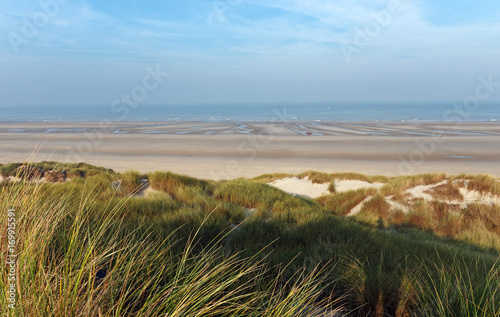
(223, 150)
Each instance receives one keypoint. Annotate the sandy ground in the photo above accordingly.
(229, 150)
(301, 187)
(304, 187)
(469, 196)
(343, 186)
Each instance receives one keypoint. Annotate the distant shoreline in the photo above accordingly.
(487, 121)
(226, 150)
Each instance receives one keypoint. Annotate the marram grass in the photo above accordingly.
(76, 261)
(87, 249)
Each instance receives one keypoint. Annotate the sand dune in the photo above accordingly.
(304, 187)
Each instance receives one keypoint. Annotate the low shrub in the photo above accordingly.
(130, 182)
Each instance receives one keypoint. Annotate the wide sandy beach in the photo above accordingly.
(223, 150)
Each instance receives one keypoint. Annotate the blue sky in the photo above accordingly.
(91, 52)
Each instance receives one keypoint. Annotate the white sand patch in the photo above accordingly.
(302, 187)
(420, 191)
(356, 210)
(475, 197)
(470, 196)
(397, 206)
(348, 185)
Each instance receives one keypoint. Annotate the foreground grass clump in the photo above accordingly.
(452, 289)
(190, 247)
(74, 260)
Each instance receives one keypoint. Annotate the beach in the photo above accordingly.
(228, 150)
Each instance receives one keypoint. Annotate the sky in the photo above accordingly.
(89, 52)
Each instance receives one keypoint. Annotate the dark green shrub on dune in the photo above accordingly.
(9, 169)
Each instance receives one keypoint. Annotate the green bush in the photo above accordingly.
(130, 182)
(169, 182)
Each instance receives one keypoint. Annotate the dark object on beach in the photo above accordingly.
(28, 172)
(55, 176)
(100, 275)
(308, 133)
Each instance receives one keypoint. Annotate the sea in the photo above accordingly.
(336, 112)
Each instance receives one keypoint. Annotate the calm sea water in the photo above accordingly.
(279, 112)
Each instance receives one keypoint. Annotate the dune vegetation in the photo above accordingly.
(102, 243)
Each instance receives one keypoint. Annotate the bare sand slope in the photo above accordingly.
(301, 187)
(304, 187)
(230, 150)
